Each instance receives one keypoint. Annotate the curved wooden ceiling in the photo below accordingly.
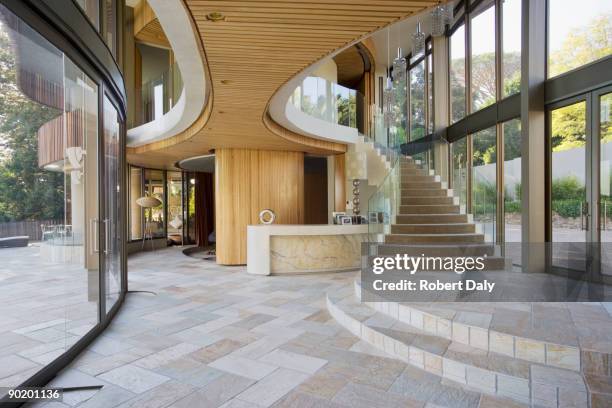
(259, 46)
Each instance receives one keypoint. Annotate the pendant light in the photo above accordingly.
(418, 41)
(399, 63)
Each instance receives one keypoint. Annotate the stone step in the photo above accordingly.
(409, 172)
(429, 209)
(432, 218)
(491, 263)
(424, 192)
(462, 364)
(437, 250)
(410, 178)
(433, 228)
(406, 185)
(428, 200)
(433, 238)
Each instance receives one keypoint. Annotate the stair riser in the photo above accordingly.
(433, 229)
(442, 239)
(448, 250)
(422, 186)
(444, 200)
(432, 219)
(418, 179)
(415, 192)
(429, 209)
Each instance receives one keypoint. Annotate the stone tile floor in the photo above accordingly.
(44, 309)
(214, 336)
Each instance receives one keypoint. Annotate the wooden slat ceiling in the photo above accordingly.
(257, 48)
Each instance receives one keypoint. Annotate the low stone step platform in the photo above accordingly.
(471, 367)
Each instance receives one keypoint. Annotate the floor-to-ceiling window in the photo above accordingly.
(175, 205)
(579, 36)
(484, 181)
(459, 170)
(457, 74)
(417, 101)
(482, 57)
(511, 47)
(511, 131)
(605, 167)
(58, 229)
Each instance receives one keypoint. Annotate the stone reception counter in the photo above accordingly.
(286, 249)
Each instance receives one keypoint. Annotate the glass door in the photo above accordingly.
(111, 216)
(603, 127)
(580, 157)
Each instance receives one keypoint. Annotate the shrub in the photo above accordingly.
(512, 206)
(567, 188)
(567, 208)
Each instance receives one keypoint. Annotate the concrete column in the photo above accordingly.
(533, 120)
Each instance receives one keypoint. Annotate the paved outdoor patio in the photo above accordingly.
(44, 309)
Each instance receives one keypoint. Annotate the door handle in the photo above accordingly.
(93, 232)
(584, 215)
(106, 237)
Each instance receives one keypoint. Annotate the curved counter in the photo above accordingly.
(286, 249)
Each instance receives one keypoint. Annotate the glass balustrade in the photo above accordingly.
(330, 102)
(156, 97)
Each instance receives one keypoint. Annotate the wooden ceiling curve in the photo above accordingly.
(255, 48)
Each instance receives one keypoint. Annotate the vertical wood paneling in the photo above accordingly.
(340, 182)
(247, 181)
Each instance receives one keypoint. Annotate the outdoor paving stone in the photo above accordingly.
(133, 378)
(354, 395)
(271, 388)
(243, 366)
(215, 393)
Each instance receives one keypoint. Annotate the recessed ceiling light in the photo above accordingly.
(215, 16)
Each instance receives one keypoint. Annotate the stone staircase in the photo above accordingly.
(460, 348)
(431, 222)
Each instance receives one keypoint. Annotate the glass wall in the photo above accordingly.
(579, 36)
(482, 58)
(91, 8)
(512, 180)
(57, 227)
(110, 25)
(175, 205)
(430, 94)
(457, 74)
(511, 47)
(417, 101)
(605, 168)
(154, 186)
(568, 166)
(484, 181)
(459, 170)
(136, 215)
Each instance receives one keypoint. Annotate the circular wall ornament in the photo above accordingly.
(267, 216)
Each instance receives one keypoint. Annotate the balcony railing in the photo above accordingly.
(329, 101)
(157, 96)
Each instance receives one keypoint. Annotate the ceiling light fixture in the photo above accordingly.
(418, 41)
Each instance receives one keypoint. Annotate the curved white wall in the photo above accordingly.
(177, 25)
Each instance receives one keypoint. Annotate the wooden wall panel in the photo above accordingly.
(340, 182)
(247, 181)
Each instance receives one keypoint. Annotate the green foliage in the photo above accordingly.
(512, 206)
(26, 191)
(567, 208)
(567, 188)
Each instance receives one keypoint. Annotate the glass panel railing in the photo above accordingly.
(330, 102)
(157, 96)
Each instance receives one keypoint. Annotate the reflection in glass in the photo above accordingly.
(110, 25)
(577, 35)
(568, 142)
(175, 206)
(512, 187)
(484, 181)
(417, 101)
(430, 95)
(49, 258)
(482, 62)
(457, 74)
(112, 217)
(136, 212)
(459, 170)
(91, 8)
(511, 46)
(605, 168)
(154, 187)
